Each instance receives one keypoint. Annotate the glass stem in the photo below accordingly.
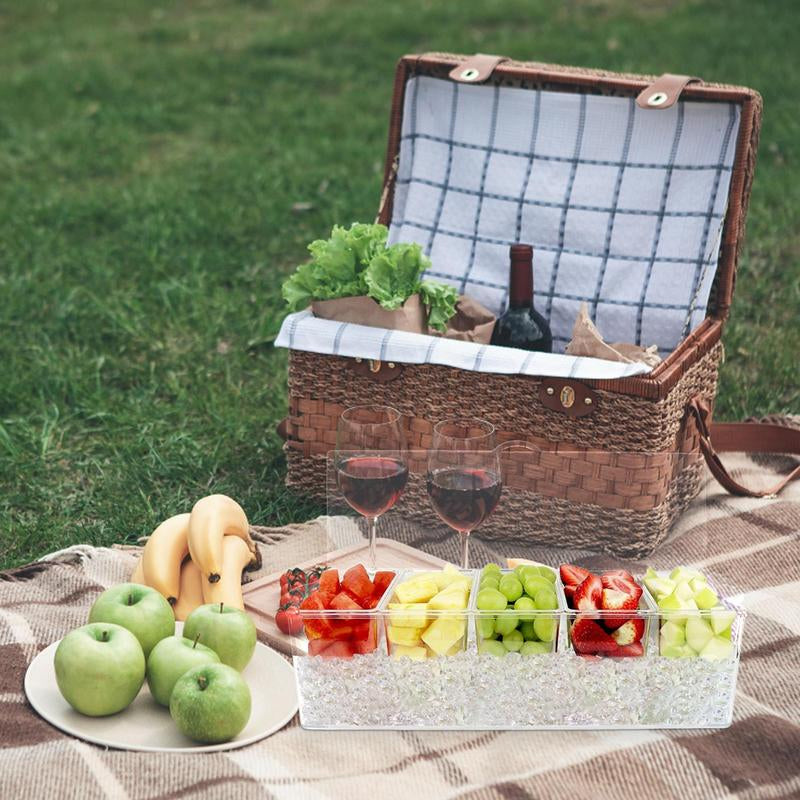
(465, 550)
(372, 522)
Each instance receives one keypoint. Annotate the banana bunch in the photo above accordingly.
(198, 558)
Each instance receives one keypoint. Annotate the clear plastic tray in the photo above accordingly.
(468, 690)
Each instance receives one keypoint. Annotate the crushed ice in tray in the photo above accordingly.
(468, 690)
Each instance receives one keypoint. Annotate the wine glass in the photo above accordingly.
(371, 462)
(464, 479)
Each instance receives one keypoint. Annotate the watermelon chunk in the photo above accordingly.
(343, 602)
(339, 649)
(369, 643)
(316, 625)
(381, 583)
(329, 582)
(357, 584)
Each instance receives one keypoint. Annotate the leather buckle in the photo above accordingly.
(572, 398)
(664, 91)
(476, 69)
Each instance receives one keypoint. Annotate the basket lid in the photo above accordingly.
(636, 211)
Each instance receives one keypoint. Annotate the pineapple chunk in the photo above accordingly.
(444, 633)
(416, 590)
(408, 615)
(414, 653)
(410, 637)
(454, 598)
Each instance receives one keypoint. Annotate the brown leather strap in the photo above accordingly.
(744, 437)
(476, 69)
(663, 92)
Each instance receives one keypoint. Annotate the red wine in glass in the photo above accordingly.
(464, 497)
(371, 484)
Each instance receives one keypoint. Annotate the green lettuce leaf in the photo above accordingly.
(441, 302)
(393, 274)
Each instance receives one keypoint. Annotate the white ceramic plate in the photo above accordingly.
(145, 725)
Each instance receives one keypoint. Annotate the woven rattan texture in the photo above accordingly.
(616, 479)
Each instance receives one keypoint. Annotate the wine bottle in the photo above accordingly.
(522, 325)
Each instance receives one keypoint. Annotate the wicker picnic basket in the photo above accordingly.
(619, 459)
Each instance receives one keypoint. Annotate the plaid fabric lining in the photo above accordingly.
(619, 210)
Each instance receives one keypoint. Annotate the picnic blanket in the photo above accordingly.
(751, 549)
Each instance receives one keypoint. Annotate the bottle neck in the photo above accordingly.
(521, 283)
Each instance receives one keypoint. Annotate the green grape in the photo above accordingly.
(533, 583)
(492, 647)
(491, 567)
(548, 573)
(510, 587)
(485, 627)
(491, 600)
(490, 581)
(525, 604)
(528, 632)
(519, 570)
(545, 628)
(546, 599)
(513, 641)
(505, 623)
(536, 648)
(527, 571)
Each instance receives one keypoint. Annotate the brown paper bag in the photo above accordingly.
(471, 322)
(587, 341)
(411, 316)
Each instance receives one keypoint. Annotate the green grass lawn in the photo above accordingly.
(150, 156)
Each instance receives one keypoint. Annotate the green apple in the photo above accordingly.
(210, 703)
(698, 633)
(171, 658)
(228, 631)
(99, 668)
(140, 609)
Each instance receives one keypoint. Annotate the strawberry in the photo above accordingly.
(618, 573)
(614, 600)
(569, 593)
(588, 638)
(634, 649)
(622, 585)
(589, 594)
(572, 575)
(630, 632)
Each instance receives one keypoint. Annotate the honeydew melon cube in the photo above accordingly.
(414, 653)
(443, 633)
(416, 590)
(672, 633)
(650, 573)
(677, 651)
(450, 599)
(721, 620)
(706, 598)
(717, 649)
(683, 591)
(659, 587)
(698, 633)
(410, 637)
(698, 583)
(408, 615)
(672, 604)
(684, 574)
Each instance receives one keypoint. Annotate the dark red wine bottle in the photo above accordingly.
(522, 325)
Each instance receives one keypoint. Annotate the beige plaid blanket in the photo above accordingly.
(751, 548)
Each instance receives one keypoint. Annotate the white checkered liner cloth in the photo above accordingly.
(623, 206)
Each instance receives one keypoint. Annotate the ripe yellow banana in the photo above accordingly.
(236, 556)
(163, 555)
(213, 518)
(191, 592)
(137, 576)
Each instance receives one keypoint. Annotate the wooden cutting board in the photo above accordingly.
(261, 597)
